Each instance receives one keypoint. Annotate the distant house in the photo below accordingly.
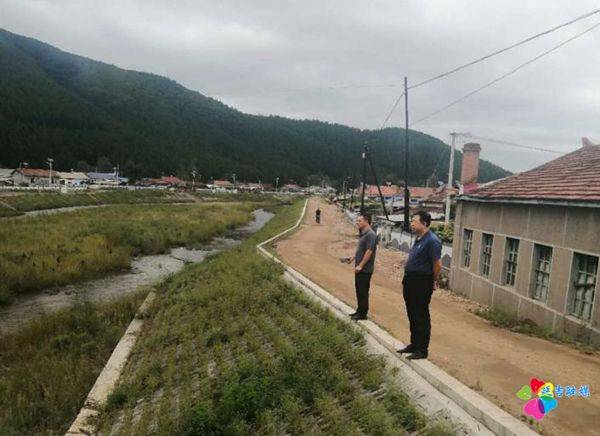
(436, 202)
(33, 177)
(222, 184)
(291, 187)
(389, 192)
(172, 181)
(529, 244)
(106, 179)
(251, 187)
(6, 177)
(73, 179)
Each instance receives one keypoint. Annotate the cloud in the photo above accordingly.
(344, 61)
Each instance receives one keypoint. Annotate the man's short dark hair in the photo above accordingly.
(424, 217)
(367, 217)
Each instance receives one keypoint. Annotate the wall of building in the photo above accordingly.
(568, 230)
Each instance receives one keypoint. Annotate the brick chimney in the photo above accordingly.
(470, 163)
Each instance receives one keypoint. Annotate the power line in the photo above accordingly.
(514, 144)
(389, 115)
(509, 73)
(502, 50)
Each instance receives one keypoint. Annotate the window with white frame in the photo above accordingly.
(487, 241)
(467, 245)
(585, 273)
(510, 261)
(542, 263)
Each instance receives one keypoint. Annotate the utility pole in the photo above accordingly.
(344, 194)
(276, 184)
(406, 225)
(364, 179)
(233, 180)
(50, 161)
(193, 179)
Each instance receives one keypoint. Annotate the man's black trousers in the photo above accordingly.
(417, 296)
(362, 283)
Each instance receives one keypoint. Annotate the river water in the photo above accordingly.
(145, 270)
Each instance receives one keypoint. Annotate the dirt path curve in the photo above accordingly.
(493, 361)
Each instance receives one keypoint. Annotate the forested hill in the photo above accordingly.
(80, 111)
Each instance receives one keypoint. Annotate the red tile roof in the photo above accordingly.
(386, 191)
(420, 191)
(34, 172)
(572, 177)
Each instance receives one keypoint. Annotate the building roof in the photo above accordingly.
(36, 172)
(172, 180)
(6, 172)
(420, 191)
(440, 193)
(72, 175)
(102, 176)
(223, 183)
(574, 177)
(386, 190)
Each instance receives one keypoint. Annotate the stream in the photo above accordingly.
(145, 270)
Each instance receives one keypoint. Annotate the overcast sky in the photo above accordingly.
(344, 61)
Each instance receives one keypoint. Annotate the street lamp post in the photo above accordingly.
(50, 162)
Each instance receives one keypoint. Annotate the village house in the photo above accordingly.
(291, 187)
(106, 179)
(529, 244)
(222, 184)
(6, 177)
(72, 179)
(33, 177)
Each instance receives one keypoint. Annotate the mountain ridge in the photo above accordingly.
(79, 110)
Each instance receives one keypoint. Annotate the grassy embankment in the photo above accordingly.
(55, 250)
(47, 369)
(13, 204)
(49, 366)
(233, 349)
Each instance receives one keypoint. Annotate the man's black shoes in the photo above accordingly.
(407, 349)
(358, 316)
(417, 355)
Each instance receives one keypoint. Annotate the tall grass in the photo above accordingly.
(48, 367)
(54, 250)
(233, 349)
(23, 202)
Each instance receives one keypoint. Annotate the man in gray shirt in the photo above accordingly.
(364, 263)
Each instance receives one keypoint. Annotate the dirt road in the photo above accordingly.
(491, 360)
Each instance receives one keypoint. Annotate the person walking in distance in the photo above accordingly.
(421, 274)
(318, 215)
(364, 263)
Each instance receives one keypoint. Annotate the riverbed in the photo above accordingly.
(144, 271)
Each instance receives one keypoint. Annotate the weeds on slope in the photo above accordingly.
(233, 349)
(55, 250)
(47, 369)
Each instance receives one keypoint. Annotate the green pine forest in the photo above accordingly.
(87, 114)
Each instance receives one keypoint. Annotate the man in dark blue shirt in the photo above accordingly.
(421, 274)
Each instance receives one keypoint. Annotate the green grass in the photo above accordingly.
(512, 322)
(232, 349)
(40, 252)
(18, 203)
(47, 369)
